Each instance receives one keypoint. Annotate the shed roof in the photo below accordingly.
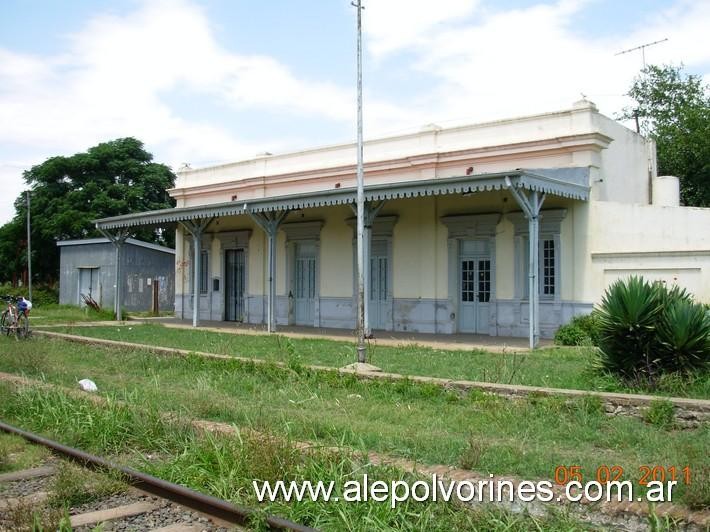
(133, 241)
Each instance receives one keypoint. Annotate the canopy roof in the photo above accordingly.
(564, 182)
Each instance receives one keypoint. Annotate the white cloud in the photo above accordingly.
(498, 64)
(393, 25)
(472, 63)
(112, 78)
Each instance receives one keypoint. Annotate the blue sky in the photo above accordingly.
(219, 80)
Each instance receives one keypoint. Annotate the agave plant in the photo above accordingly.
(684, 335)
(627, 322)
(647, 329)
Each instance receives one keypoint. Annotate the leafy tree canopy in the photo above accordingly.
(674, 109)
(68, 193)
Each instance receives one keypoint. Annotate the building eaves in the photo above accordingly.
(132, 241)
(563, 182)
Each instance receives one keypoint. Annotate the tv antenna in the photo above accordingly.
(642, 48)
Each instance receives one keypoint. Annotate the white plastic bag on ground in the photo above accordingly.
(88, 385)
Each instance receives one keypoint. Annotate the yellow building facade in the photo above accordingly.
(449, 247)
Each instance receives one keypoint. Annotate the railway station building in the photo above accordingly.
(464, 225)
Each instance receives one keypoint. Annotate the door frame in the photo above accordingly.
(476, 258)
(467, 227)
(97, 277)
(301, 232)
(225, 295)
(309, 301)
(231, 240)
(389, 302)
(382, 229)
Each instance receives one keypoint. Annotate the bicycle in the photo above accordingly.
(14, 321)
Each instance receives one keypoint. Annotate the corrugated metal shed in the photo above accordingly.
(89, 267)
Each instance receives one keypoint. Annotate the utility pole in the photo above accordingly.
(643, 50)
(361, 349)
(29, 251)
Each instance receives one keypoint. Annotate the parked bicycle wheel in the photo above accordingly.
(5, 323)
(23, 326)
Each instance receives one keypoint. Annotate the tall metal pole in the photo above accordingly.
(29, 251)
(361, 349)
(117, 302)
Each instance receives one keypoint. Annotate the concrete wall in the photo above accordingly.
(573, 137)
(623, 175)
(670, 244)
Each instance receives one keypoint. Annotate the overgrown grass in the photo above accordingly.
(225, 466)
(51, 314)
(16, 454)
(570, 368)
(26, 516)
(69, 486)
(528, 438)
(72, 485)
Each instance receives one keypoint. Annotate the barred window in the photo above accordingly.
(484, 281)
(548, 267)
(467, 281)
(204, 273)
(548, 276)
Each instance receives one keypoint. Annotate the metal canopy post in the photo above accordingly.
(196, 228)
(117, 239)
(531, 205)
(270, 223)
(370, 213)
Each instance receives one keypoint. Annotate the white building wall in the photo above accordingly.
(670, 244)
(624, 172)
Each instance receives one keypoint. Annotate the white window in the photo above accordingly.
(548, 270)
(548, 275)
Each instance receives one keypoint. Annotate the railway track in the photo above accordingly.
(150, 504)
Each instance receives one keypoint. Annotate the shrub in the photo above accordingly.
(581, 330)
(697, 493)
(660, 413)
(647, 330)
(684, 336)
(571, 334)
(41, 295)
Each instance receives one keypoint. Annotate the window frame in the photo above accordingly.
(525, 264)
(204, 272)
(550, 230)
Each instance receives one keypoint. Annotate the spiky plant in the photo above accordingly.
(647, 330)
(627, 321)
(684, 337)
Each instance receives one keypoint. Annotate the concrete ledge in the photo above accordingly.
(689, 412)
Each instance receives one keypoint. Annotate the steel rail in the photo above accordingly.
(206, 504)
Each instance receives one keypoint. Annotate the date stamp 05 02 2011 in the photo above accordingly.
(603, 474)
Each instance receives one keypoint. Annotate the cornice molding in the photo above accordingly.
(469, 157)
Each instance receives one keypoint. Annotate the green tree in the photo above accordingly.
(68, 193)
(674, 109)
